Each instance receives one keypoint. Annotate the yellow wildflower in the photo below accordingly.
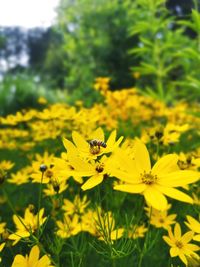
(154, 183)
(89, 151)
(78, 206)
(32, 260)
(69, 226)
(137, 231)
(194, 225)
(27, 225)
(160, 218)
(180, 245)
(96, 170)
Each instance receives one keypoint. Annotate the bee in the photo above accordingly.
(98, 143)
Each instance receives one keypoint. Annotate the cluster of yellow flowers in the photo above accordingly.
(149, 161)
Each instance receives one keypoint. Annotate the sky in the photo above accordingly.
(27, 13)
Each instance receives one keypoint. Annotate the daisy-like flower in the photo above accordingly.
(194, 225)
(105, 228)
(86, 149)
(154, 183)
(70, 226)
(137, 231)
(96, 171)
(32, 260)
(27, 225)
(180, 245)
(160, 218)
(78, 206)
(55, 187)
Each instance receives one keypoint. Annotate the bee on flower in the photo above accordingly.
(96, 146)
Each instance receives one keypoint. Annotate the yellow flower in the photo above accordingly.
(83, 148)
(194, 225)
(180, 245)
(27, 225)
(102, 84)
(137, 231)
(105, 227)
(6, 165)
(69, 226)
(78, 206)
(96, 170)
(32, 260)
(160, 218)
(19, 178)
(154, 183)
(51, 172)
(41, 100)
(55, 187)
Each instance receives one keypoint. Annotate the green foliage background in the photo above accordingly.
(93, 38)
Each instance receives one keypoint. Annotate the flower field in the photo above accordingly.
(116, 184)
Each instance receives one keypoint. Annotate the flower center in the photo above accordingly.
(99, 168)
(95, 150)
(49, 173)
(148, 178)
(179, 244)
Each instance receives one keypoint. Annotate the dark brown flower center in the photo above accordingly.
(179, 244)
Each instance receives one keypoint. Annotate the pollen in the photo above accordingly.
(49, 173)
(94, 150)
(148, 178)
(179, 244)
(100, 168)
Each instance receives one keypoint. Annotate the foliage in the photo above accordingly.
(22, 90)
(95, 41)
(168, 58)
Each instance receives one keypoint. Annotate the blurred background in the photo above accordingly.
(56, 48)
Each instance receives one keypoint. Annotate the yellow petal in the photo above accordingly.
(168, 241)
(69, 146)
(142, 158)
(197, 238)
(178, 178)
(126, 177)
(111, 140)
(121, 160)
(34, 255)
(155, 198)
(19, 261)
(194, 225)
(174, 252)
(177, 231)
(98, 134)
(44, 262)
(192, 247)
(183, 258)
(2, 246)
(166, 164)
(129, 188)
(116, 234)
(175, 193)
(92, 182)
(187, 237)
(80, 142)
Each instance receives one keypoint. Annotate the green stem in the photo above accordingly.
(14, 211)
(144, 249)
(39, 205)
